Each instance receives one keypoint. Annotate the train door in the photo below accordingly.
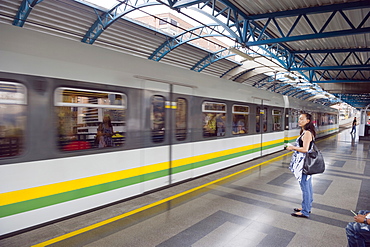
(155, 155)
(181, 145)
(261, 125)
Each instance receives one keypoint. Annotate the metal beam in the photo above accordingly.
(243, 73)
(23, 12)
(186, 3)
(311, 10)
(341, 81)
(345, 67)
(339, 76)
(211, 58)
(106, 19)
(194, 33)
(332, 51)
(231, 69)
(310, 36)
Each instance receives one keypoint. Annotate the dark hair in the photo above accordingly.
(309, 126)
(109, 121)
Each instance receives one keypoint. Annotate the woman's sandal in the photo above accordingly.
(299, 215)
(298, 210)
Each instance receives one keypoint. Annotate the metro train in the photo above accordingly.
(83, 126)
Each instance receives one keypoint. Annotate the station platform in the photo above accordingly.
(245, 205)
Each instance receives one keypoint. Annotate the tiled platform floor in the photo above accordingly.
(249, 209)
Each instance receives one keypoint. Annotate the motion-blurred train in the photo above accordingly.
(161, 125)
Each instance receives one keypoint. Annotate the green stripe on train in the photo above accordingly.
(20, 207)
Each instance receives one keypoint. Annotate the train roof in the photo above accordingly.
(51, 56)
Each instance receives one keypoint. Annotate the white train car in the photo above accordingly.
(82, 126)
(325, 118)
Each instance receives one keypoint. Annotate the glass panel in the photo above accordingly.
(157, 118)
(90, 119)
(258, 124)
(332, 119)
(276, 114)
(163, 21)
(293, 119)
(315, 117)
(240, 124)
(240, 119)
(240, 109)
(214, 119)
(181, 119)
(324, 119)
(12, 118)
(214, 124)
(264, 120)
(173, 22)
(214, 107)
(277, 122)
(74, 97)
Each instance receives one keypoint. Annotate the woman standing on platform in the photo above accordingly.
(354, 123)
(301, 147)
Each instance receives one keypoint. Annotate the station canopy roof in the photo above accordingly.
(315, 50)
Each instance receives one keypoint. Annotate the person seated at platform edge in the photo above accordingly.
(358, 232)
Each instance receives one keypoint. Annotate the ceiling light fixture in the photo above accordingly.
(240, 53)
(289, 77)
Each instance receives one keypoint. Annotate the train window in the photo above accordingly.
(89, 119)
(157, 118)
(258, 120)
(293, 119)
(262, 112)
(324, 119)
(13, 104)
(264, 120)
(240, 119)
(276, 114)
(315, 116)
(214, 119)
(181, 119)
(333, 119)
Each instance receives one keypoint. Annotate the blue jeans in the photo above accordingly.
(307, 195)
(358, 233)
(353, 129)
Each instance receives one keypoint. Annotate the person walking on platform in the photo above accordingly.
(354, 123)
(358, 232)
(301, 147)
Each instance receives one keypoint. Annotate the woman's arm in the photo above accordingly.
(306, 138)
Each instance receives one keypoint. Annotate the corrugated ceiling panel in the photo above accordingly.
(8, 10)
(62, 18)
(131, 38)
